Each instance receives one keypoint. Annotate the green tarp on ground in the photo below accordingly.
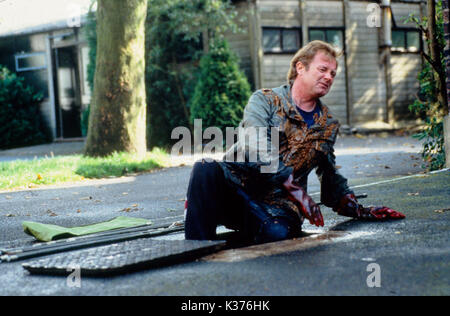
(48, 232)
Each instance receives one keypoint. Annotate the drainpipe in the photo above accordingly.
(386, 58)
(348, 71)
(256, 49)
(303, 22)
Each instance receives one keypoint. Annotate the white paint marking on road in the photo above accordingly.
(393, 180)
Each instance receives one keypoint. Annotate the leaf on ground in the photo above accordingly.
(51, 213)
(133, 208)
(442, 210)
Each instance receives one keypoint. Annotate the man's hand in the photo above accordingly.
(383, 212)
(350, 207)
(306, 205)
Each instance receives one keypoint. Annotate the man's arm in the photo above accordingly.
(260, 146)
(305, 203)
(333, 185)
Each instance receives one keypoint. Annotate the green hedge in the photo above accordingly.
(222, 90)
(21, 122)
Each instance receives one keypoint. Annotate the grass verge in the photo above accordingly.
(24, 174)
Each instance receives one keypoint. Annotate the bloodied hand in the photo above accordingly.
(304, 202)
(349, 206)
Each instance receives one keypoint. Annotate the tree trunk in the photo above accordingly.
(117, 119)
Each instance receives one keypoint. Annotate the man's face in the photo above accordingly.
(316, 81)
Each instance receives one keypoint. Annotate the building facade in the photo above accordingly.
(377, 71)
(43, 42)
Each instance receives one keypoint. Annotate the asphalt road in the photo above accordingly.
(408, 257)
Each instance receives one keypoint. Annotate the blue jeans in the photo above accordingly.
(212, 202)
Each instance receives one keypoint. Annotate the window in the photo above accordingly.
(406, 40)
(333, 36)
(281, 40)
(30, 61)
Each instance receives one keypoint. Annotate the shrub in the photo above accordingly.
(428, 105)
(85, 120)
(21, 123)
(431, 112)
(167, 86)
(222, 89)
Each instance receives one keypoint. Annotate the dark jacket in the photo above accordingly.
(300, 150)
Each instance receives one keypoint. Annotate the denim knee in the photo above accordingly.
(274, 229)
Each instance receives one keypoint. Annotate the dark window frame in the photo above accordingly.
(405, 49)
(330, 28)
(280, 30)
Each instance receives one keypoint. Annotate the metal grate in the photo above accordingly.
(124, 257)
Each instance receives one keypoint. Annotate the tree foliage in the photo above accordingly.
(177, 31)
(430, 104)
(90, 32)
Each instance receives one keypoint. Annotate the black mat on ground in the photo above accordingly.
(124, 257)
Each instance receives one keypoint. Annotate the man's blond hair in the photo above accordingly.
(306, 54)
